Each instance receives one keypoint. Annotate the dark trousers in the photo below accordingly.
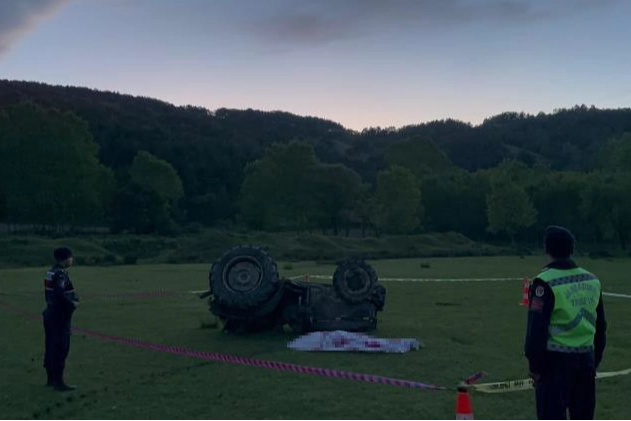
(57, 344)
(568, 384)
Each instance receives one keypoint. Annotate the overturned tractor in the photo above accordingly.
(247, 294)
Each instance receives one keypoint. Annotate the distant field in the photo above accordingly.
(205, 246)
(465, 327)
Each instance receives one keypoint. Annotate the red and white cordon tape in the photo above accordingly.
(499, 387)
(251, 362)
(607, 294)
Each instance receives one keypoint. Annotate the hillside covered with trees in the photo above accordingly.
(75, 157)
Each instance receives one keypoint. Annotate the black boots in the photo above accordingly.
(63, 387)
(56, 381)
(49, 378)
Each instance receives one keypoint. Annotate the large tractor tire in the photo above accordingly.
(354, 281)
(244, 278)
(379, 297)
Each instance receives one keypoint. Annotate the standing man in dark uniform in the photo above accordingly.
(565, 339)
(61, 302)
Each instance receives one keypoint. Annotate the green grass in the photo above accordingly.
(481, 328)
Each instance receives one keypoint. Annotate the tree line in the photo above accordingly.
(76, 157)
(420, 190)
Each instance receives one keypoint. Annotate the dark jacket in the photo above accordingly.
(539, 314)
(59, 292)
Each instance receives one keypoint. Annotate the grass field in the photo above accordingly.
(465, 327)
(204, 246)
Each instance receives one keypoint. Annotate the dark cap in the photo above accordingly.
(559, 242)
(62, 253)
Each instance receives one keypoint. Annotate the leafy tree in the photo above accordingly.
(419, 155)
(336, 192)
(49, 168)
(55, 156)
(210, 207)
(558, 200)
(147, 204)
(157, 176)
(366, 210)
(456, 202)
(3, 205)
(616, 154)
(398, 199)
(607, 205)
(256, 207)
(277, 192)
(528, 159)
(512, 171)
(141, 211)
(509, 209)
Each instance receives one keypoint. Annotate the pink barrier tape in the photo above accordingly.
(20, 312)
(475, 377)
(253, 362)
(250, 362)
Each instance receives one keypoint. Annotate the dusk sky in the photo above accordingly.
(358, 62)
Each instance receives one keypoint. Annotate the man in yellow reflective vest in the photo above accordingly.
(565, 338)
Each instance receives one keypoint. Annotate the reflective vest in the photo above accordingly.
(573, 322)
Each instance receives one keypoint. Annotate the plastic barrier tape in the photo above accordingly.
(608, 294)
(251, 362)
(424, 280)
(611, 294)
(502, 387)
(527, 384)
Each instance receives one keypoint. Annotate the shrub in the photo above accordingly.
(130, 260)
(194, 228)
(600, 254)
(88, 260)
(110, 259)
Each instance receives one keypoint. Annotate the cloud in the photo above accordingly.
(18, 17)
(316, 22)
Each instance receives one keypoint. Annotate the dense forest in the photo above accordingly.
(74, 157)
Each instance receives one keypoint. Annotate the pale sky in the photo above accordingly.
(358, 62)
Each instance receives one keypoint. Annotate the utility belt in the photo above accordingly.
(569, 349)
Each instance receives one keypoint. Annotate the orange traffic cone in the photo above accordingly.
(526, 293)
(464, 409)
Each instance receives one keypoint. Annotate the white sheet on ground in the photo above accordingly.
(341, 340)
